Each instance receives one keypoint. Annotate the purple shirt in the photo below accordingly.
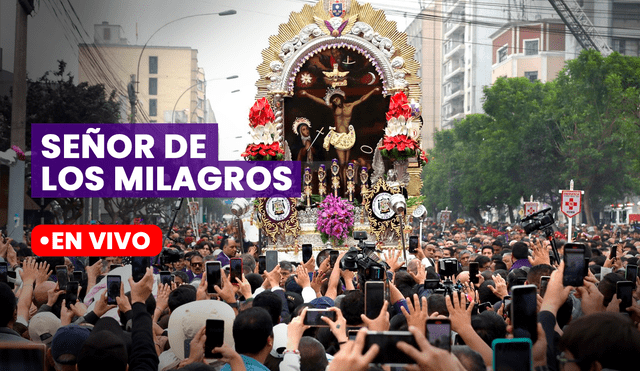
(223, 259)
(520, 263)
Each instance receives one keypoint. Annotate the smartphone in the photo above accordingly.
(213, 275)
(389, 354)
(4, 272)
(373, 298)
(512, 354)
(413, 244)
(544, 281)
(614, 252)
(333, 257)
(113, 288)
(166, 278)
(352, 334)
(484, 306)
(439, 333)
(506, 313)
(431, 284)
(631, 273)
(376, 273)
(573, 267)
(524, 316)
(314, 317)
(77, 276)
(139, 265)
(307, 252)
(63, 276)
(624, 292)
(215, 337)
(235, 270)
(262, 264)
(71, 293)
(272, 260)
(473, 272)
(94, 259)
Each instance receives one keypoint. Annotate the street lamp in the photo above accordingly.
(226, 12)
(173, 113)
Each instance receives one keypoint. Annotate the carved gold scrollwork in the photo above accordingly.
(379, 226)
(286, 226)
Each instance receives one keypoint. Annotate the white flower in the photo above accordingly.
(396, 126)
(266, 134)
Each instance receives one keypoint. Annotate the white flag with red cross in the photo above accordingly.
(571, 203)
(530, 208)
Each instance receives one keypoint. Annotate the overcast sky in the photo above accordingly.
(226, 46)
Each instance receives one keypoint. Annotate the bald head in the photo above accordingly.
(40, 295)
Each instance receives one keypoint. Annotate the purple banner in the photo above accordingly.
(148, 160)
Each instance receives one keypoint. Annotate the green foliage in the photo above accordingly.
(60, 100)
(535, 137)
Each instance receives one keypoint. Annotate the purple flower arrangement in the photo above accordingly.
(335, 219)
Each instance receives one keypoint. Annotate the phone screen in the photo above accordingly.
(373, 298)
(389, 354)
(262, 264)
(631, 273)
(113, 288)
(71, 293)
(511, 354)
(235, 271)
(77, 276)
(624, 292)
(573, 267)
(272, 260)
(314, 317)
(431, 284)
(139, 265)
(439, 333)
(333, 257)
(524, 316)
(307, 252)
(213, 276)
(473, 272)
(93, 260)
(3, 272)
(413, 244)
(165, 278)
(544, 281)
(215, 337)
(63, 276)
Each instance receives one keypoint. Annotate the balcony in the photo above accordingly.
(452, 48)
(451, 5)
(454, 95)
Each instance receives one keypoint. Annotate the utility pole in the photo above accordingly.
(15, 216)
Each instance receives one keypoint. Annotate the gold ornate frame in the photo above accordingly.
(379, 227)
(289, 226)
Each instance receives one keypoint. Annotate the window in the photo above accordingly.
(153, 86)
(199, 103)
(153, 107)
(531, 75)
(153, 65)
(106, 34)
(619, 45)
(502, 54)
(531, 47)
(200, 85)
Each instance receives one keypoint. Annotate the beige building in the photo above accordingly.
(170, 86)
(425, 34)
(535, 50)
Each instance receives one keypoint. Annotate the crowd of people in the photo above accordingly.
(163, 326)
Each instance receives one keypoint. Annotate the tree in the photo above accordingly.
(60, 100)
(594, 108)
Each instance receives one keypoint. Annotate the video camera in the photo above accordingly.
(169, 256)
(540, 221)
(363, 258)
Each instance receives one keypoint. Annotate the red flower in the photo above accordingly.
(399, 106)
(261, 113)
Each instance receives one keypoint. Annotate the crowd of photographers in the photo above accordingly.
(460, 280)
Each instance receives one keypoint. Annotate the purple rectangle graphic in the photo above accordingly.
(148, 160)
